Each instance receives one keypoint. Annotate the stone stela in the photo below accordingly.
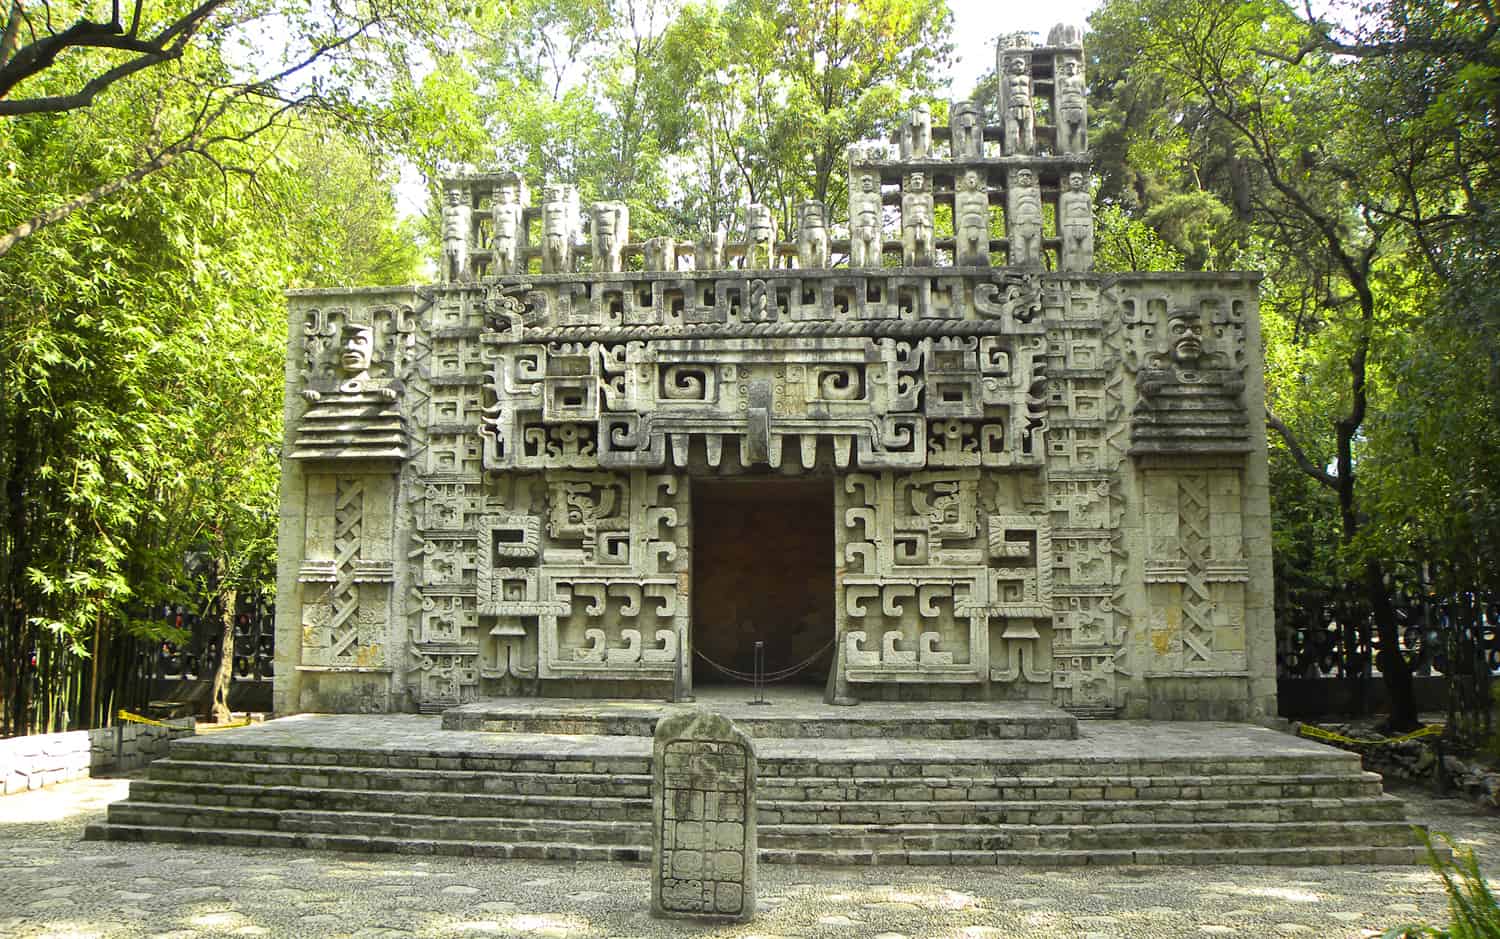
(703, 820)
(1043, 483)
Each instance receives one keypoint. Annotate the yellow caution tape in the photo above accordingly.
(1307, 730)
(210, 728)
(137, 719)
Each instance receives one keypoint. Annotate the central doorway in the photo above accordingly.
(762, 570)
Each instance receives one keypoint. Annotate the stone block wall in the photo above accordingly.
(1048, 487)
(39, 760)
(1046, 483)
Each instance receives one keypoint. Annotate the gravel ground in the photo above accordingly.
(52, 884)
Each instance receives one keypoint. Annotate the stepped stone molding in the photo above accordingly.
(1049, 484)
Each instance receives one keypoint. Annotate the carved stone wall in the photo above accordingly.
(1047, 484)
(1040, 494)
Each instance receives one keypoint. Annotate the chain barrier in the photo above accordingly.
(779, 675)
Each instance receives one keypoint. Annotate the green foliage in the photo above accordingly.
(1472, 906)
(1355, 166)
(686, 113)
(142, 345)
(1123, 243)
(333, 198)
(1189, 222)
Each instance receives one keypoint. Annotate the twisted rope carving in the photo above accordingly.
(1193, 519)
(871, 329)
(349, 507)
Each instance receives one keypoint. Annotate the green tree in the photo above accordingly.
(781, 88)
(141, 352)
(1349, 166)
(685, 114)
(202, 78)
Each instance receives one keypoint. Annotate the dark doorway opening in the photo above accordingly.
(762, 570)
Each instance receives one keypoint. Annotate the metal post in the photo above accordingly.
(760, 671)
(677, 676)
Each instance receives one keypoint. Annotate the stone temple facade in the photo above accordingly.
(920, 452)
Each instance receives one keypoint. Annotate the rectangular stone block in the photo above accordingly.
(703, 820)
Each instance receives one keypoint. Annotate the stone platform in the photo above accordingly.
(1119, 793)
(788, 713)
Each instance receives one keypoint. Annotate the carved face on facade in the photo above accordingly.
(1069, 68)
(1185, 336)
(606, 228)
(812, 215)
(867, 182)
(917, 183)
(1025, 179)
(1078, 182)
(1016, 65)
(506, 194)
(455, 197)
(359, 343)
(758, 223)
(970, 181)
(967, 133)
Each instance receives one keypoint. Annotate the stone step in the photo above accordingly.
(858, 791)
(1117, 837)
(916, 720)
(973, 834)
(1031, 788)
(534, 755)
(552, 851)
(520, 782)
(409, 827)
(1302, 855)
(1120, 793)
(937, 787)
(936, 760)
(455, 804)
(608, 808)
(1065, 812)
(895, 758)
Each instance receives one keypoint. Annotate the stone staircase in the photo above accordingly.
(1117, 793)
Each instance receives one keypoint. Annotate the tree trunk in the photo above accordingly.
(224, 675)
(1394, 670)
(91, 715)
(1393, 666)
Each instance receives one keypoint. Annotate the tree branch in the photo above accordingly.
(196, 140)
(37, 222)
(1298, 454)
(40, 55)
(9, 41)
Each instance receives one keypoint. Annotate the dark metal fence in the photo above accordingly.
(1455, 638)
(196, 658)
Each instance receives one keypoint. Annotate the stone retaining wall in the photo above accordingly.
(1417, 761)
(39, 760)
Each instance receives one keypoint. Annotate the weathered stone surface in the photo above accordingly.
(39, 760)
(703, 839)
(1046, 484)
(1125, 793)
